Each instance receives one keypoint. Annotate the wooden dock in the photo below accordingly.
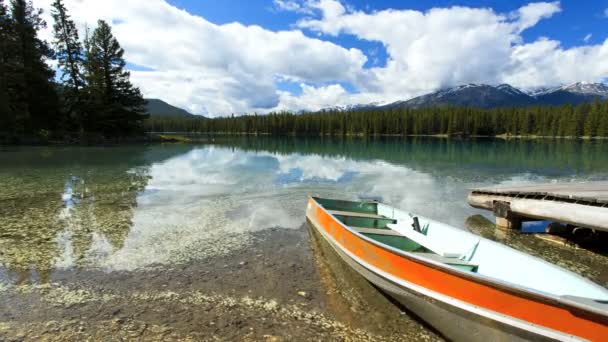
(582, 205)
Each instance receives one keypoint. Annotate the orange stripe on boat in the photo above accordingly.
(469, 291)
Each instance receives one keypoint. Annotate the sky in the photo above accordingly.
(222, 57)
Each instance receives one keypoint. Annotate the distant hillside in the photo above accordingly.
(156, 107)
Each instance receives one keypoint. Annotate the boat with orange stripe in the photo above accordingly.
(467, 287)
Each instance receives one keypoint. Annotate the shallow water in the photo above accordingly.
(209, 240)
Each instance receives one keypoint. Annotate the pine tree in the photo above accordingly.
(38, 107)
(7, 116)
(13, 101)
(68, 52)
(118, 105)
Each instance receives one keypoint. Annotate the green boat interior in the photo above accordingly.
(363, 218)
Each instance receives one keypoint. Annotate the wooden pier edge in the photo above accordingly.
(577, 204)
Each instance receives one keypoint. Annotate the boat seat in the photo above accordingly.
(376, 231)
(437, 247)
(355, 214)
(439, 258)
(458, 263)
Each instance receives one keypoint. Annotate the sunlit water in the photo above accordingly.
(208, 241)
(128, 208)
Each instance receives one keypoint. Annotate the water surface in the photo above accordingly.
(110, 239)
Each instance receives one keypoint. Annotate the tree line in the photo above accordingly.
(89, 91)
(587, 119)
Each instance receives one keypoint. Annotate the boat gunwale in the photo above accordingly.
(516, 289)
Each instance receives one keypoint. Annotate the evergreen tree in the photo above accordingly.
(68, 52)
(117, 105)
(39, 105)
(7, 115)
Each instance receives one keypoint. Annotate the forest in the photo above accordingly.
(584, 120)
(89, 92)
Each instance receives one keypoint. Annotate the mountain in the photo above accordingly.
(573, 94)
(353, 107)
(156, 107)
(470, 95)
(504, 95)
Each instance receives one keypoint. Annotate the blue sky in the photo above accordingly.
(575, 25)
(218, 57)
(577, 19)
(571, 26)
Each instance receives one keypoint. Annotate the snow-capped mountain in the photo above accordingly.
(573, 94)
(352, 107)
(470, 95)
(505, 95)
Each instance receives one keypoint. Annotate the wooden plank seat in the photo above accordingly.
(450, 261)
(376, 231)
(355, 214)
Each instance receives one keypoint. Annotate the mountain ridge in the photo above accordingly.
(160, 108)
(505, 95)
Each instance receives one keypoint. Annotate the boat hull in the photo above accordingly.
(450, 322)
(456, 304)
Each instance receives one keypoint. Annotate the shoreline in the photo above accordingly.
(197, 137)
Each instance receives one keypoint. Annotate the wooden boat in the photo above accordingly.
(467, 287)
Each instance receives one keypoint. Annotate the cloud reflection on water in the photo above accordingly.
(194, 203)
(196, 198)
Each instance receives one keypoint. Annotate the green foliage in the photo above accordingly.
(31, 88)
(7, 59)
(68, 52)
(585, 119)
(96, 94)
(116, 105)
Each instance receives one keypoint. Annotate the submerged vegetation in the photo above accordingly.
(587, 119)
(92, 93)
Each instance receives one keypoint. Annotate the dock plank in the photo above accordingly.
(577, 204)
(590, 191)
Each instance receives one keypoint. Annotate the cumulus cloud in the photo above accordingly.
(450, 46)
(234, 68)
(529, 15)
(209, 68)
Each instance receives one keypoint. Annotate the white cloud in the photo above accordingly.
(209, 68)
(606, 13)
(233, 68)
(529, 15)
(546, 62)
(587, 37)
(456, 45)
(291, 5)
(317, 98)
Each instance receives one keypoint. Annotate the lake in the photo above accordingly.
(209, 240)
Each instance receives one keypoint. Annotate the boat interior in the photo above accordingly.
(459, 249)
(363, 218)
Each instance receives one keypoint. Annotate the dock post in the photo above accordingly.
(505, 217)
(508, 223)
